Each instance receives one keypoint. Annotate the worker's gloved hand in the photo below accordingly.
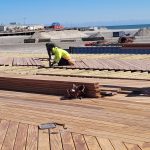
(52, 64)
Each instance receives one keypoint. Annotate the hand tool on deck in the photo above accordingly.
(51, 125)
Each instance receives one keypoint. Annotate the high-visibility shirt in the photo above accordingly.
(60, 53)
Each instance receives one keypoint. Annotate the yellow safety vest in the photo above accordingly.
(60, 53)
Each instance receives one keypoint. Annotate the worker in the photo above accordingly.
(62, 57)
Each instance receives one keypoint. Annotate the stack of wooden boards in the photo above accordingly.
(18, 61)
(47, 85)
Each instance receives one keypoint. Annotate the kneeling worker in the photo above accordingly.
(62, 57)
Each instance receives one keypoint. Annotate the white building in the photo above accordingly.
(19, 27)
(35, 27)
(2, 28)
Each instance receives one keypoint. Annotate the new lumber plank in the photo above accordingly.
(67, 141)
(20, 143)
(55, 140)
(92, 142)
(105, 144)
(44, 143)
(132, 146)
(118, 145)
(144, 145)
(79, 142)
(3, 130)
(47, 85)
(32, 138)
(10, 136)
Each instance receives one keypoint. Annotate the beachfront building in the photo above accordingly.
(20, 28)
(2, 28)
(35, 27)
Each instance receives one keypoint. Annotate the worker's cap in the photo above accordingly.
(50, 45)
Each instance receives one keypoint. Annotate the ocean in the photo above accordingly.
(139, 26)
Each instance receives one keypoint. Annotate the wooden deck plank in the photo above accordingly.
(21, 62)
(55, 140)
(27, 61)
(44, 143)
(67, 141)
(132, 146)
(15, 139)
(32, 138)
(20, 143)
(3, 130)
(38, 62)
(128, 121)
(110, 121)
(79, 142)
(105, 144)
(10, 136)
(92, 142)
(144, 145)
(118, 145)
(14, 62)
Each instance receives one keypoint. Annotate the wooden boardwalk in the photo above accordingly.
(110, 64)
(117, 123)
(18, 61)
(21, 136)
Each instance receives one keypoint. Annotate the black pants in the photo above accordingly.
(63, 62)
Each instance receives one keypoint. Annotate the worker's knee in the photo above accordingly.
(71, 62)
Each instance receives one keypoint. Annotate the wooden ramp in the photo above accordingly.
(21, 136)
(18, 61)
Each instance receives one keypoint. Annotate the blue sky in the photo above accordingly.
(75, 12)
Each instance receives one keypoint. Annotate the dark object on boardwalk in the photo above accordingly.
(77, 91)
(126, 40)
(50, 125)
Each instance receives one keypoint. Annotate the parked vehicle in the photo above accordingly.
(56, 26)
